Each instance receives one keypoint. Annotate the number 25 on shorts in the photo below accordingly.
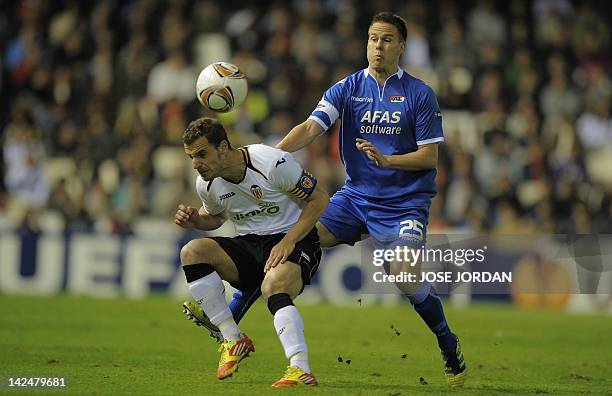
(412, 229)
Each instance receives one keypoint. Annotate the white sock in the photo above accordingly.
(290, 329)
(209, 292)
(229, 329)
(300, 359)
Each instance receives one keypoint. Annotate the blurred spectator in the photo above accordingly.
(134, 61)
(416, 55)
(497, 169)
(24, 154)
(485, 24)
(172, 78)
(460, 188)
(595, 125)
(558, 97)
(488, 91)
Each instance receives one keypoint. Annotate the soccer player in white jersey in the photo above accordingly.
(261, 190)
(390, 126)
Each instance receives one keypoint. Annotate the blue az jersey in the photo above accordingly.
(397, 117)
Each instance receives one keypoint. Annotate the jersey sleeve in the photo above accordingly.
(211, 207)
(428, 119)
(289, 176)
(328, 108)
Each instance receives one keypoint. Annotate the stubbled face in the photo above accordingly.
(384, 47)
(205, 158)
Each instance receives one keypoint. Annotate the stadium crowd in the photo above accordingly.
(95, 96)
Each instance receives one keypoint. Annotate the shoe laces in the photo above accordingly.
(291, 371)
(225, 349)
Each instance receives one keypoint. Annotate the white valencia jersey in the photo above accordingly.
(269, 197)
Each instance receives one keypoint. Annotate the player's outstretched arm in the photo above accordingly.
(190, 217)
(316, 203)
(425, 158)
(300, 136)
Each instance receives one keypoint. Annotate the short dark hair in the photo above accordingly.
(208, 128)
(393, 19)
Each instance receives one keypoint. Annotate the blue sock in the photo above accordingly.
(242, 301)
(429, 307)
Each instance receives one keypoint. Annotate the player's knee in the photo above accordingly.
(407, 288)
(196, 251)
(272, 285)
(189, 253)
(284, 278)
(419, 292)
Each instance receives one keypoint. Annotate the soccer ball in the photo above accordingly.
(221, 87)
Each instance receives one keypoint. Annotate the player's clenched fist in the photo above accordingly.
(185, 216)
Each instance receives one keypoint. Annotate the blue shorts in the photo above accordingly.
(349, 217)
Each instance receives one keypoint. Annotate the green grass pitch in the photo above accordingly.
(118, 346)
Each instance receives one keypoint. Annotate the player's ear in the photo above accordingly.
(402, 45)
(223, 147)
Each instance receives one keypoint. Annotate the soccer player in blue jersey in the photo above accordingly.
(390, 126)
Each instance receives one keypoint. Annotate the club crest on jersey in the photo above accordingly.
(256, 191)
(396, 98)
(306, 182)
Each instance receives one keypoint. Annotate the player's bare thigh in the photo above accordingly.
(208, 251)
(397, 267)
(284, 278)
(326, 238)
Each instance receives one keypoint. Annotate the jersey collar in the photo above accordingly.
(399, 73)
(249, 165)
